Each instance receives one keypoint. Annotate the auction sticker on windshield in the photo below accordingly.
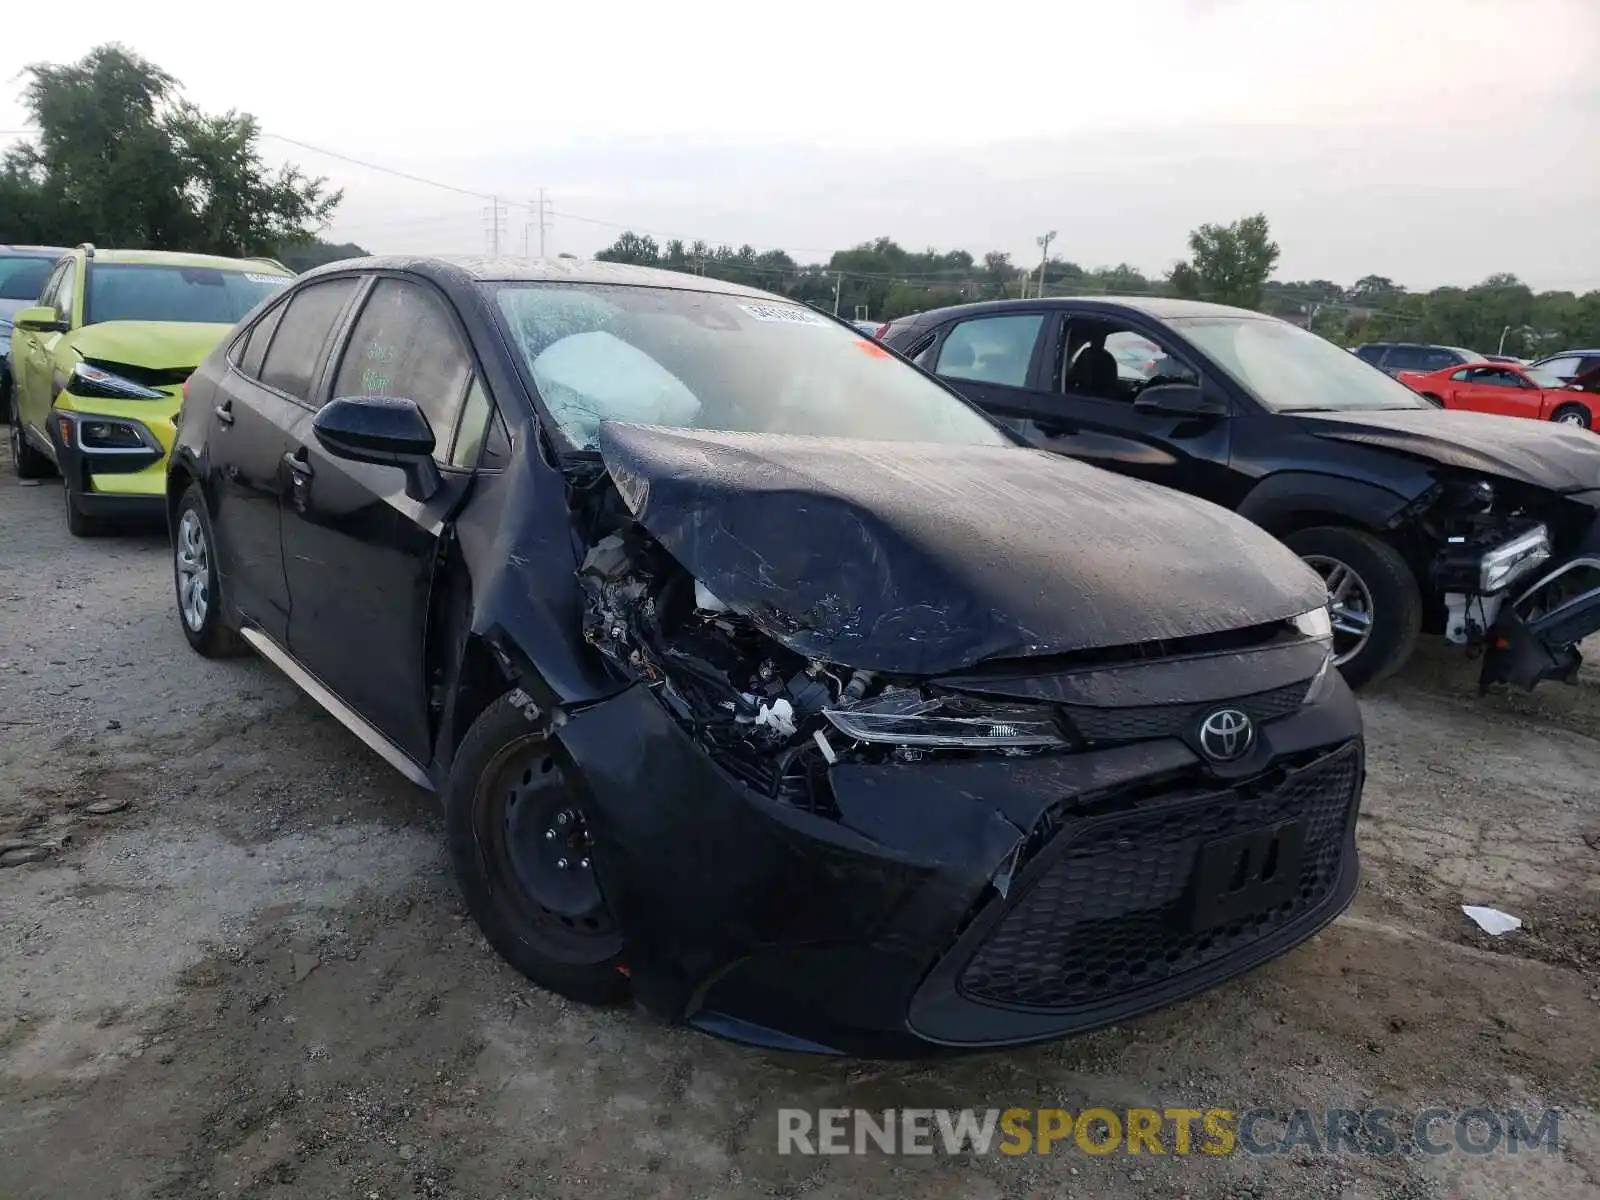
(279, 280)
(787, 313)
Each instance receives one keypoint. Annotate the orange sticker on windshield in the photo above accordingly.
(872, 348)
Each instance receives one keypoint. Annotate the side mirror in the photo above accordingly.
(1179, 400)
(41, 318)
(389, 431)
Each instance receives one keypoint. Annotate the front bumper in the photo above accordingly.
(118, 480)
(1535, 637)
(959, 903)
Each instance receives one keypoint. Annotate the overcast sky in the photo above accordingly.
(1433, 141)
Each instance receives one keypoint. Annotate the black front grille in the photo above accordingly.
(1105, 726)
(1112, 911)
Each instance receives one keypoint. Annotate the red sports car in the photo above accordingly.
(1508, 390)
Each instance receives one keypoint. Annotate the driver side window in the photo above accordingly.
(1107, 361)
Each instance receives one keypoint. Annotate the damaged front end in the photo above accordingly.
(813, 854)
(1518, 569)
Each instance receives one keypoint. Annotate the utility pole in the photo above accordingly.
(493, 214)
(543, 220)
(838, 285)
(1044, 255)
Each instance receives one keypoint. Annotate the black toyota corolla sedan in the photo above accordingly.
(761, 677)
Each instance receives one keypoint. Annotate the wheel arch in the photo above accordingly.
(1290, 501)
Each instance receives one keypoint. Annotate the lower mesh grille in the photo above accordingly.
(1115, 911)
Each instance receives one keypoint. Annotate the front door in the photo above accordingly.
(33, 357)
(1494, 390)
(359, 553)
(1098, 366)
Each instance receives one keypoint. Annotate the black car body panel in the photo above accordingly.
(1542, 455)
(1414, 475)
(924, 559)
(823, 895)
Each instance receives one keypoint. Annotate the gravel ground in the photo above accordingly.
(254, 977)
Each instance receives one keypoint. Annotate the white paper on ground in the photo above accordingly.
(1491, 920)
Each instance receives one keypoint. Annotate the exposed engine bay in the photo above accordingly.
(774, 719)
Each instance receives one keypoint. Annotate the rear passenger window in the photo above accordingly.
(302, 332)
(991, 349)
(1371, 354)
(405, 344)
(256, 342)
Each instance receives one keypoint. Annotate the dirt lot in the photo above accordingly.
(255, 979)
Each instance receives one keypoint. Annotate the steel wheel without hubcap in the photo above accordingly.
(1350, 601)
(539, 850)
(193, 564)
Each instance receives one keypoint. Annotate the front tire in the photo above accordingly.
(1576, 415)
(29, 463)
(520, 844)
(194, 576)
(1377, 605)
(79, 523)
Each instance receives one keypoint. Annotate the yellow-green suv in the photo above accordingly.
(98, 368)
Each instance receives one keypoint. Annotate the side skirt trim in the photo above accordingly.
(337, 708)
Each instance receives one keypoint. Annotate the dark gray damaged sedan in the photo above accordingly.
(762, 678)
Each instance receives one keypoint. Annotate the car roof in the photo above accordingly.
(1565, 354)
(173, 258)
(449, 268)
(1163, 308)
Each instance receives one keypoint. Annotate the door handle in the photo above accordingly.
(224, 412)
(298, 465)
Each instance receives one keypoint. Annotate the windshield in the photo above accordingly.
(1545, 379)
(140, 292)
(1289, 370)
(22, 278)
(700, 360)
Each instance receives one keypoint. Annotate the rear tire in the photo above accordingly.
(195, 580)
(1394, 601)
(511, 815)
(29, 463)
(1576, 415)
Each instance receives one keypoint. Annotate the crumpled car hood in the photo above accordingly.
(923, 559)
(159, 345)
(1537, 452)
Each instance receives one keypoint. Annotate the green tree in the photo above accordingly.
(122, 160)
(631, 247)
(1228, 264)
(998, 271)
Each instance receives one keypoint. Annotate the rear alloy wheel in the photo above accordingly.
(194, 575)
(522, 844)
(1374, 598)
(1575, 415)
(27, 461)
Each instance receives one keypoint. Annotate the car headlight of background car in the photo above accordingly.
(1511, 560)
(96, 382)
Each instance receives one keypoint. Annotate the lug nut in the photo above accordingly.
(549, 835)
(561, 864)
(562, 818)
(584, 863)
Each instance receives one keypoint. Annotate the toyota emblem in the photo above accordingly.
(1226, 735)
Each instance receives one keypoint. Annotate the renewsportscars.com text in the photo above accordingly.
(1373, 1132)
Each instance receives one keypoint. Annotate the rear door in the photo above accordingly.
(266, 390)
(359, 553)
(992, 359)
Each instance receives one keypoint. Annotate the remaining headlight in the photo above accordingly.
(902, 717)
(1512, 560)
(1316, 624)
(92, 381)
